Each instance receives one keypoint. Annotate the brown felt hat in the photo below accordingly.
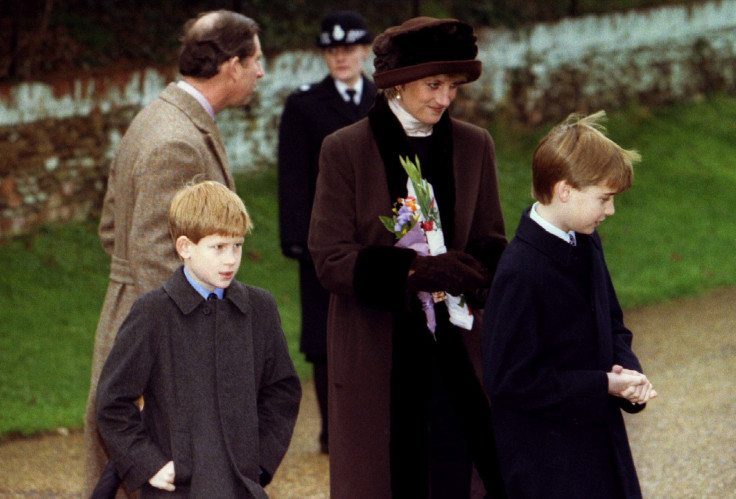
(425, 46)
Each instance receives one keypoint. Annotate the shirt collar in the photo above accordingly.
(197, 95)
(201, 289)
(412, 126)
(568, 237)
(342, 87)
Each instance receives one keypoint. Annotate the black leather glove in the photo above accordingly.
(454, 272)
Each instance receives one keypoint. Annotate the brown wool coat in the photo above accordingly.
(170, 142)
(352, 192)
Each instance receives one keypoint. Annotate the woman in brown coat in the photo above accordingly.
(408, 417)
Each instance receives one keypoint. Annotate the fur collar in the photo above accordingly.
(439, 170)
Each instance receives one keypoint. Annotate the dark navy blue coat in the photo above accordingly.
(553, 328)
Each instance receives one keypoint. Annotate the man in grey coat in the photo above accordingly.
(171, 141)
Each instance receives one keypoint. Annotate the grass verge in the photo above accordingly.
(671, 236)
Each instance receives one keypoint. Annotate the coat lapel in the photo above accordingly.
(392, 143)
(440, 172)
(468, 181)
(206, 124)
(368, 98)
(332, 99)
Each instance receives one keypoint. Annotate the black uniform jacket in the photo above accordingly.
(310, 114)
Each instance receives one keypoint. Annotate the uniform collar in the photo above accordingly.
(342, 88)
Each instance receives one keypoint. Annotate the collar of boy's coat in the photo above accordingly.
(549, 244)
(187, 298)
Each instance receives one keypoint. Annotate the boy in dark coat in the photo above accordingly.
(208, 355)
(310, 114)
(557, 358)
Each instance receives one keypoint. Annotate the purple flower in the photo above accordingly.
(405, 216)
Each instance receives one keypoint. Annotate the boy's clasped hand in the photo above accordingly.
(630, 385)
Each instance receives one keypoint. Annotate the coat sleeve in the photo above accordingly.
(295, 185)
(348, 262)
(623, 354)
(123, 380)
(515, 374)
(279, 394)
(488, 230)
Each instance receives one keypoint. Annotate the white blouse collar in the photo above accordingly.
(412, 126)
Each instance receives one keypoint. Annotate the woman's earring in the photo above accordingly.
(398, 96)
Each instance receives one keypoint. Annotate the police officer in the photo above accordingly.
(310, 114)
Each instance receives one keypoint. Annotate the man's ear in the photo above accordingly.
(183, 247)
(228, 68)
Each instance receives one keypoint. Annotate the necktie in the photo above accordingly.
(212, 296)
(351, 97)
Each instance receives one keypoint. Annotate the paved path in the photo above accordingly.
(684, 443)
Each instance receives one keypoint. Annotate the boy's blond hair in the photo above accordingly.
(578, 152)
(206, 208)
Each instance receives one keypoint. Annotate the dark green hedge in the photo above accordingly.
(39, 37)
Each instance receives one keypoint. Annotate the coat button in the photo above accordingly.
(207, 311)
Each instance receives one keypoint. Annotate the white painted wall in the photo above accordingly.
(608, 58)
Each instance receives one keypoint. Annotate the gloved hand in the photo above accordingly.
(454, 272)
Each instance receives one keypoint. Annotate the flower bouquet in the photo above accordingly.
(416, 224)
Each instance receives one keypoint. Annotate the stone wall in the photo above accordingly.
(57, 136)
(545, 71)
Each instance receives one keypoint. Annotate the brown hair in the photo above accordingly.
(212, 38)
(202, 209)
(578, 152)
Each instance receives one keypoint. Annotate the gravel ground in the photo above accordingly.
(684, 443)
